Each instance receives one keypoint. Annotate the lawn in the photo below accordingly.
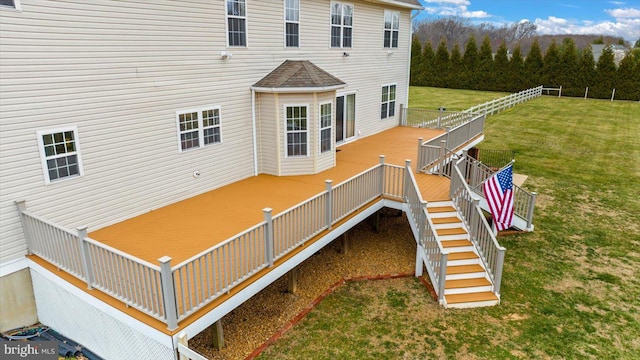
(452, 100)
(571, 289)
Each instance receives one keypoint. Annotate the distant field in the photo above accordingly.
(571, 289)
(453, 100)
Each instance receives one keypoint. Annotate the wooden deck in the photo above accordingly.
(186, 228)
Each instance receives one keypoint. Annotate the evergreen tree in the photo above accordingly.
(501, 67)
(568, 68)
(551, 68)
(485, 74)
(416, 62)
(427, 65)
(516, 72)
(533, 66)
(456, 68)
(585, 76)
(605, 75)
(441, 65)
(470, 63)
(627, 85)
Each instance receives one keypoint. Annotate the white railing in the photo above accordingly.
(294, 226)
(352, 193)
(481, 235)
(497, 105)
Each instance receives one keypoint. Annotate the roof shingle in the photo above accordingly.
(298, 74)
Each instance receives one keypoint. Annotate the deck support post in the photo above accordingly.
(168, 293)
(292, 281)
(268, 236)
(217, 335)
(382, 175)
(376, 222)
(532, 205)
(85, 255)
(344, 244)
(182, 339)
(419, 267)
(329, 204)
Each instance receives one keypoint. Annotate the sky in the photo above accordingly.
(603, 17)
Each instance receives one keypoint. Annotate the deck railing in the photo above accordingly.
(433, 250)
(481, 235)
(433, 119)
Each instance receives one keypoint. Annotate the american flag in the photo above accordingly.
(498, 190)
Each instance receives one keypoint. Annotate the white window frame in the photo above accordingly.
(394, 29)
(242, 17)
(287, 131)
(341, 26)
(287, 21)
(16, 5)
(201, 128)
(44, 157)
(325, 128)
(391, 103)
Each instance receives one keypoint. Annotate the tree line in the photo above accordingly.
(561, 65)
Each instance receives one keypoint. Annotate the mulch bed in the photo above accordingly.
(270, 313)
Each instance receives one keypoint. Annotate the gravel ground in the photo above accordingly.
(391, 250)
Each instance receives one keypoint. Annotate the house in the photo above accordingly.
(161, 162)
(111, 109)
(619, 51)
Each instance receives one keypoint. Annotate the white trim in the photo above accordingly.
(320, 128)
(44, 157)
(200, 129)
(392, 30)
(298, 89)
(226, 307)
(16, 6)
(254, 132)
(286, 131)
(128, 320)
(284, 3)
(13, 266)
(398, 4)
(395, 100)
(355, 125)
(246, 25)
(343, 4)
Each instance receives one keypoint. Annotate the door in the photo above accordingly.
(345, 117)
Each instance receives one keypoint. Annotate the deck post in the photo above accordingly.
(22, 207)
(168, 293)
(420, 156)
(182, 339)
(419, 267)
(443, 148)
(407, 179)
(344, 249)
(268, 238)
(497, 277)
(382, 175)
(532, 204)
(292, 281)
(329, 203)
(443, 277)
(85, 254)
(475, 219)
(217, 335)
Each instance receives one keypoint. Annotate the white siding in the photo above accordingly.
(118, 70)
(267, 134)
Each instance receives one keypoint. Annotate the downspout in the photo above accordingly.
(255, 135)
(406, 99)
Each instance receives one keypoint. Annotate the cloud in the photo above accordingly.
(626, 27)
(454, 8)
(624, 13)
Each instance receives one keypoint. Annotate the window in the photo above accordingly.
(59, 153)
(388, 104)
(198, 128)
(297, 131)
(341, 25)
(14, 4)
(237, 22)
(391, 28)
(325, 127)
(292, 23)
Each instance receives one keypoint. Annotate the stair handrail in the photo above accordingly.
(490, 251)
(435, 255)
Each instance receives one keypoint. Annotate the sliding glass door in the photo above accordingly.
(345, 117)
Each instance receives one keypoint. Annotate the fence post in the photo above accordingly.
(420, 157)
(22, 207)
(85, 254)
(497, 277)
(329, 204)
(532, 204)
(168, 293)
(443, 146)
(440, 110)
(382, 176)
(268, 238)
(586, 92)
(560, 92)
(443, 277)
(613, 93)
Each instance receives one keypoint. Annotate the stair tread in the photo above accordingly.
(471, 297)
(463, 255)
(465, 283)
(446, 220)
(452, 231)
(438, 209)
(455, 243)
(464, 269)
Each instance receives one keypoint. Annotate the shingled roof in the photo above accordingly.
(295, 75)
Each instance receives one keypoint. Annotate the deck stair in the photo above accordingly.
(467, 283)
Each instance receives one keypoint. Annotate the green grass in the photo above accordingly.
(571, 289)
(452, 100)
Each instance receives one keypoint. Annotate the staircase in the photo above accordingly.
(467, 283)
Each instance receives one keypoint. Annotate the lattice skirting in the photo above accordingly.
(102, 333)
